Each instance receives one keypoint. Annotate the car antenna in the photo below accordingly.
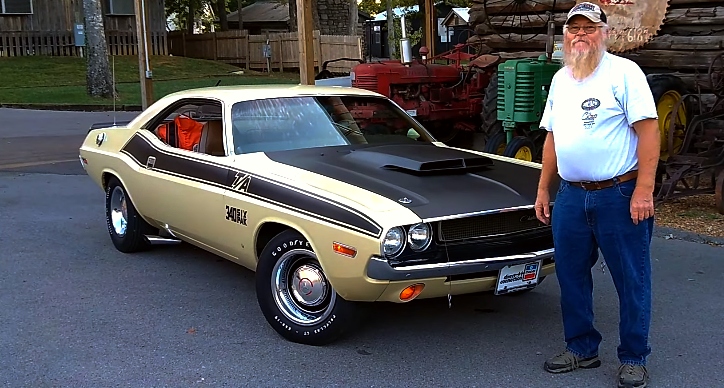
(113, 85)
(218, 82)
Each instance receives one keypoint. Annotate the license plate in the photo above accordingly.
(517, 277)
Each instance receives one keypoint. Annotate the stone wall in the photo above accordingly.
(333, 17)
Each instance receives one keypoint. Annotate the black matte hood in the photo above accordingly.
(431, 181)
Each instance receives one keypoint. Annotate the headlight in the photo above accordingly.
(394, 241)
(419, 236)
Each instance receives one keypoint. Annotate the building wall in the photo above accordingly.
(61, 15)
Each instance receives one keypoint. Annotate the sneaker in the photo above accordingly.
(632, 376)
(567, 361)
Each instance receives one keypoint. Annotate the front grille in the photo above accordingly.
(488, 225)
(368, 82)
(524, 91)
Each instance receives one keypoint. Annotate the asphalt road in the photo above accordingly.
(75, 312)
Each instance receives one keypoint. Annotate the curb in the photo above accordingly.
(74, 108)
(677, 234)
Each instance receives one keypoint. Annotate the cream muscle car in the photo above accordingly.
(332, 195)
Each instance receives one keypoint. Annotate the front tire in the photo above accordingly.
(295, 295)
(520, 147)
(126, 228)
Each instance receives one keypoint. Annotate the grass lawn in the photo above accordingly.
(62, 80)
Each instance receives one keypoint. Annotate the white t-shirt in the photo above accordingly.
(593, 119)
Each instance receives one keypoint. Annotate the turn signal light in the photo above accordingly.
(411, 292)
(344, 249)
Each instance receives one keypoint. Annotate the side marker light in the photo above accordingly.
(344, 249)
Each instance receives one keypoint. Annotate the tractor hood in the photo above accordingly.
(429, 180)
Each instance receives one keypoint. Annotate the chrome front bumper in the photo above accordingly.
(380, 269)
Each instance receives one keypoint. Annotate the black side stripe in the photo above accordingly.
(187, 167)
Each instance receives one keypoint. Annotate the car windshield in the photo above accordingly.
(287, 123)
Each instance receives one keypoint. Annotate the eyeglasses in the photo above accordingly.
(586, 29)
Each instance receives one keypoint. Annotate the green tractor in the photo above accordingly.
(513, 107)
(515, 99)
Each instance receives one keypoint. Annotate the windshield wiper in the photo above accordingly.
(347, 130)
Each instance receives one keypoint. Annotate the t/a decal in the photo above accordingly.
(236, 215)
(241, 182)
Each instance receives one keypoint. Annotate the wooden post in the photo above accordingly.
(430, 23)
(305, 36)
(144, 63)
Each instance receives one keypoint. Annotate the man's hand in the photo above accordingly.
(542, 206)
(642, 201)
(642, 205)
(548, 171)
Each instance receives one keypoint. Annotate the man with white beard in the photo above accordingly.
(603, 141)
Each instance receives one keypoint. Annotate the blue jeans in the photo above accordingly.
(584, 221)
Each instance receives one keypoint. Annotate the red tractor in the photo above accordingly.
(446, 99)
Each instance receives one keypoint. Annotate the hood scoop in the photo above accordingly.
(420, 160)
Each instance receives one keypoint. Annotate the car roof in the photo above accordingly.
(235, 93)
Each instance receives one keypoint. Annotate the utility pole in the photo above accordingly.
(144, 64)
(430, 23)
(305, 35)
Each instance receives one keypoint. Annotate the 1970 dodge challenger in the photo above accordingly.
(332, 195)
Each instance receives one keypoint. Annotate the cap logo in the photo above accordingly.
(585, 7)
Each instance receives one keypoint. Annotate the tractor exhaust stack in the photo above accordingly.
(405, 45)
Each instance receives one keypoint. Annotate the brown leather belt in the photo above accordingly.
(588, 185)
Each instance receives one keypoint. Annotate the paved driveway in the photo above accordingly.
(75, 312)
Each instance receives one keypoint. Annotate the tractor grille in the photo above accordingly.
(488, 225)
(366, 82)
(524, 99)
(524, 91)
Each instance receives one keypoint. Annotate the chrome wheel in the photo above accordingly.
(301, 291)
(119, 211)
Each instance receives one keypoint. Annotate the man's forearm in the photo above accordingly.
(550, 166)
(648, 152)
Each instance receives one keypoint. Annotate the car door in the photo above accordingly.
(184, 185)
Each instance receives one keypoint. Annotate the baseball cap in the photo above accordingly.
(591, 11)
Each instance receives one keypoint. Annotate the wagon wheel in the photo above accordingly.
(676, 123)
(716, 75)
(504, 16)
(719, 192)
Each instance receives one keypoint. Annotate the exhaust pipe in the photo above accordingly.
(550, 42)
(405, 45)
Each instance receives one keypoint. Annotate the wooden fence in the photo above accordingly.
(239, 48)
(61, 43)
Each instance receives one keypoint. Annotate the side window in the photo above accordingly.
(192, 126)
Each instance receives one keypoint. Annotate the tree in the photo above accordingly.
(185, 11)
(99, 82)
(293, 14)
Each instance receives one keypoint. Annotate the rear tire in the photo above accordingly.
(489, 116)
(126, 228)
(295, 295)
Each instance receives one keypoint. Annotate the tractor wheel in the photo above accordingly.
(496, 143)
(489, 116)
(667, 89)
(520, 147)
